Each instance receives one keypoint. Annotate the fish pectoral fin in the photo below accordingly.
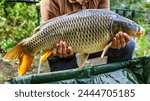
(24, 63)
(105, 49)
(25, 59)
(81, 58)
(45, 54)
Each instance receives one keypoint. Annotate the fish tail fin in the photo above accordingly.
(25, 62)
(25, 59)
(15, 53)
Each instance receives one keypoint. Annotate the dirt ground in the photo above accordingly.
(9, 70)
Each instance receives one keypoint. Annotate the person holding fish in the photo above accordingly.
(68, 39)
(122, 45)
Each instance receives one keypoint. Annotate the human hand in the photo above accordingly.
(62, 50)
(120, 40)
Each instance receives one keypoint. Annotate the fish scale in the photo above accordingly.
(86, 31)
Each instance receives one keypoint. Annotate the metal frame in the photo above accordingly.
(133, 12)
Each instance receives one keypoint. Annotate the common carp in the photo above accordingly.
(86, 31)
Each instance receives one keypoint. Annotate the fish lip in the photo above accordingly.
(140, 32)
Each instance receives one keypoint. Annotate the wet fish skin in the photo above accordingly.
(79, 30)
(87, 31)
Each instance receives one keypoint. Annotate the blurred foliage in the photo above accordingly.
(130, 4)
(18, 20)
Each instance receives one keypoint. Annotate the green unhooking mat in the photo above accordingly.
(136, 71)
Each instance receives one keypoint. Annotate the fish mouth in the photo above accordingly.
(140, 32)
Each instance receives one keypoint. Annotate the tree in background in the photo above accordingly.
(17, 21)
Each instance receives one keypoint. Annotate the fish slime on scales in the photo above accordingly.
(86, 31)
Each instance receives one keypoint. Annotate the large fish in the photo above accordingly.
(87, 31)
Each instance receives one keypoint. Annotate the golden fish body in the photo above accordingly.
(86, 31)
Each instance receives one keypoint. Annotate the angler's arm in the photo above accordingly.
(48, 10)
(104, 4)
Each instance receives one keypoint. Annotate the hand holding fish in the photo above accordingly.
(86, 31)
(62, 50)
(120, 40)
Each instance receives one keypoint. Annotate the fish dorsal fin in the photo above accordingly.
(44, 23)
(55, 18)
(81, 58)
(45, 54)
(36, 30)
